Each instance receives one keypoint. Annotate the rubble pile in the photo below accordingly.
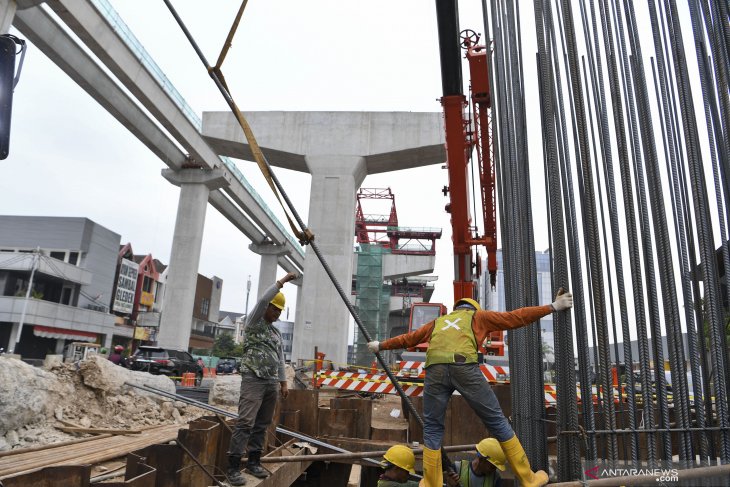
(91, 394)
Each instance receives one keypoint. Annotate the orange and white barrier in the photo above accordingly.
(373, 383)
(188, 379)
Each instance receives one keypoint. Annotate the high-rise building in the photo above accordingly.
(494, 299)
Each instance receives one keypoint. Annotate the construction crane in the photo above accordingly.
(468, 139)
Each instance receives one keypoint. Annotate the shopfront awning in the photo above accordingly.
(63, 334)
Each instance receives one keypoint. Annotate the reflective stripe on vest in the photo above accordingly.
(452, 334)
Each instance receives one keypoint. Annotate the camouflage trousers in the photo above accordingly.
(255, 411)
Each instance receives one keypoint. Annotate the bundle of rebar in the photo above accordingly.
(631, 168)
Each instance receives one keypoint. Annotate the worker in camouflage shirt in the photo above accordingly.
(262, 378)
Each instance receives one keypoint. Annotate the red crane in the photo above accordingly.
(467, 135)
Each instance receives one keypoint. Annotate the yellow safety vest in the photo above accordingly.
(465, 476)
(452, 335)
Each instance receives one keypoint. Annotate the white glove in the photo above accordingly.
(374, 346)
(563, 301)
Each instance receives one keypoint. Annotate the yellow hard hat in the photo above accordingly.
(400, 456)
(490, 449)
(279, 300)
(468, 301)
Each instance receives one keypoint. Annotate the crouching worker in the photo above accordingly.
(262, 379)
(398, 463)
(483, 470)
(451, 364)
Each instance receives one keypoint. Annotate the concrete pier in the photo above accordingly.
(339, 149)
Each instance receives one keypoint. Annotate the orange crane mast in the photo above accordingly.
(467, 135)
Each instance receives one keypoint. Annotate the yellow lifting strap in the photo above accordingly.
(304, 236)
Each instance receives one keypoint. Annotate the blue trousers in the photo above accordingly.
(441, 382)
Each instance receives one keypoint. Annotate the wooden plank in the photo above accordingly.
(138, 474)
(282, 474)
(93, 451)
(399, 435)
(224, 440)
(357, 444)
(97, 431)
(201, 439)
(364, 408)
(369, 476)
(329, 473)
(307, 402)
(337, 422)
(76, 475)
(464, 425)
(166, 460)
(288, 420)
(415, 431)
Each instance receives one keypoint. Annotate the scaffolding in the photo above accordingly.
(373, 299)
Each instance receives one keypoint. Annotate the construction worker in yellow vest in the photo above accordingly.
(398, 462)
(481, 471)
(451, 365)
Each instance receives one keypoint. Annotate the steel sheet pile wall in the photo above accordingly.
(632, 169)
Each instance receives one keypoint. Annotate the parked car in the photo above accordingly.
(227, 365)
(165, 361)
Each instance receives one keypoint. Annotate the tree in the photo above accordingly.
(224, 345)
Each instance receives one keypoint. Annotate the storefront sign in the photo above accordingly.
(126, 286)
(146, 299)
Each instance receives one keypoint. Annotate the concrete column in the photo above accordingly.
(7, 14)
(177, 309)
(270, 254)
(59, 347)
(322, 318)
(14, 338)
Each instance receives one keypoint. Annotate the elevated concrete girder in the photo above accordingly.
(54, 41)
(386, 140)
(45, 32)
(338, 149)
(398, 266)
(94, 30)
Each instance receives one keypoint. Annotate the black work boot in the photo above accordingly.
(253, 465)
(234, 475)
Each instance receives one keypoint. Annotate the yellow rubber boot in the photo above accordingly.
(432, 474)
(521, 465)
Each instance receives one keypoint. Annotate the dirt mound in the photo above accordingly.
(91, 393)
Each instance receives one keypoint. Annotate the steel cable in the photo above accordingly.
(406, 400)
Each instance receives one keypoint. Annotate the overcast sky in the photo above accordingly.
(69, 157)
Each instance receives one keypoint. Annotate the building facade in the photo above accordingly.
(494, 299)
(56, 280)
(65, 279)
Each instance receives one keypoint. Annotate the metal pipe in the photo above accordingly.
(330, 457)
(640, 431)
(447, 19)
(229, 414)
